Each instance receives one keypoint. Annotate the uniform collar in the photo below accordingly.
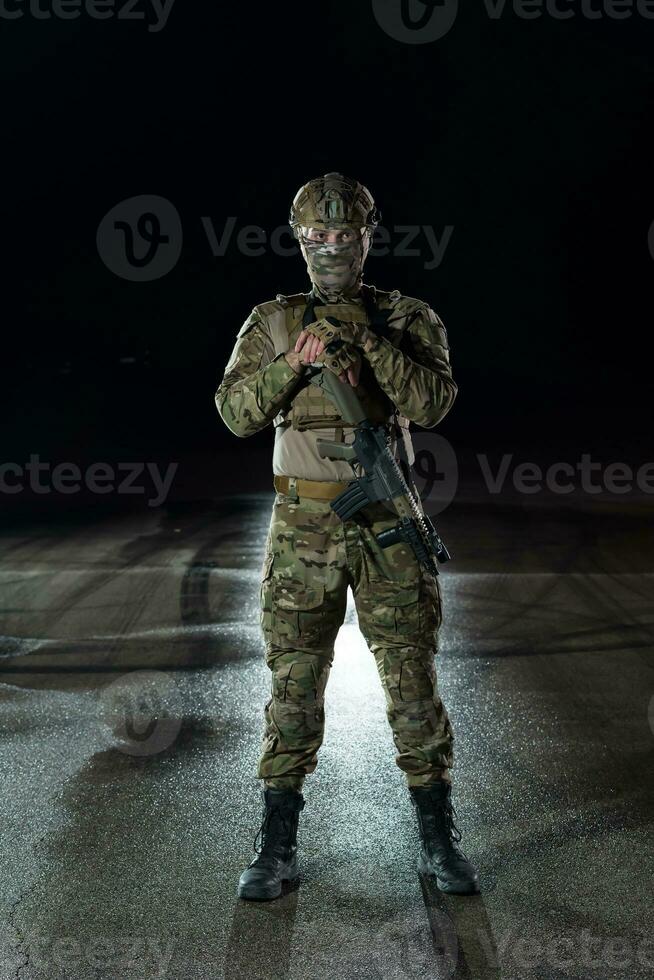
(358, 299)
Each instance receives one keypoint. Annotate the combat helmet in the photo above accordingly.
(333, 201)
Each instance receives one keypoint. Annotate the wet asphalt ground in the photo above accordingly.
(131, 688)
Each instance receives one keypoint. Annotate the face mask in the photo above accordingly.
(335, 270)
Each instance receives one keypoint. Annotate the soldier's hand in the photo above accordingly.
(309, 347)
(344, 361)
(341, 358)
(349, 331)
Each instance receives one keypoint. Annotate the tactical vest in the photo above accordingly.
(311, 408)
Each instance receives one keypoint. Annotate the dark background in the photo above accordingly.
(530, 137)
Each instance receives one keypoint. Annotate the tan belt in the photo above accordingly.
(315, 490)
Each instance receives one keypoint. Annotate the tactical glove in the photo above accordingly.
(340, 356)
(328, 329)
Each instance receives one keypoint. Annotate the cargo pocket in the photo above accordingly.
(394, 609)
(416, 681)
(297, 612)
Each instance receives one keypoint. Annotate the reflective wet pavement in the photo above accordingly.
(130, 713)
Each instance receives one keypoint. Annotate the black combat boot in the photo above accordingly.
(439, 854)
(276, 846)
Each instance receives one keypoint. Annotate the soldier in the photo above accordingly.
(395, 354)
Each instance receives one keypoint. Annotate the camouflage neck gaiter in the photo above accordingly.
(335, 270)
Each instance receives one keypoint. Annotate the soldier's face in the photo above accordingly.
(338, 236)
(335, 258)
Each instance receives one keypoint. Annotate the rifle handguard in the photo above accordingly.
(382, 480)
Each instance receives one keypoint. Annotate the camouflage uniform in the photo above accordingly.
(312, 556)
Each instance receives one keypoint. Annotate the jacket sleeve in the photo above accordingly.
(256, 384)
(417, 377)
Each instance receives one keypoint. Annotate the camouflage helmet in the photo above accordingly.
(333, 201)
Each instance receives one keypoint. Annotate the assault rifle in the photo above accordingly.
(382, 478)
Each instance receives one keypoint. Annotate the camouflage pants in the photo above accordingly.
(311, 558)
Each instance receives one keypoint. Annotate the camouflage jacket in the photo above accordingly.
(406, 377)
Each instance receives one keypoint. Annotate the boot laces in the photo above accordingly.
(261, 841)
(449, 813)
(443, 815)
